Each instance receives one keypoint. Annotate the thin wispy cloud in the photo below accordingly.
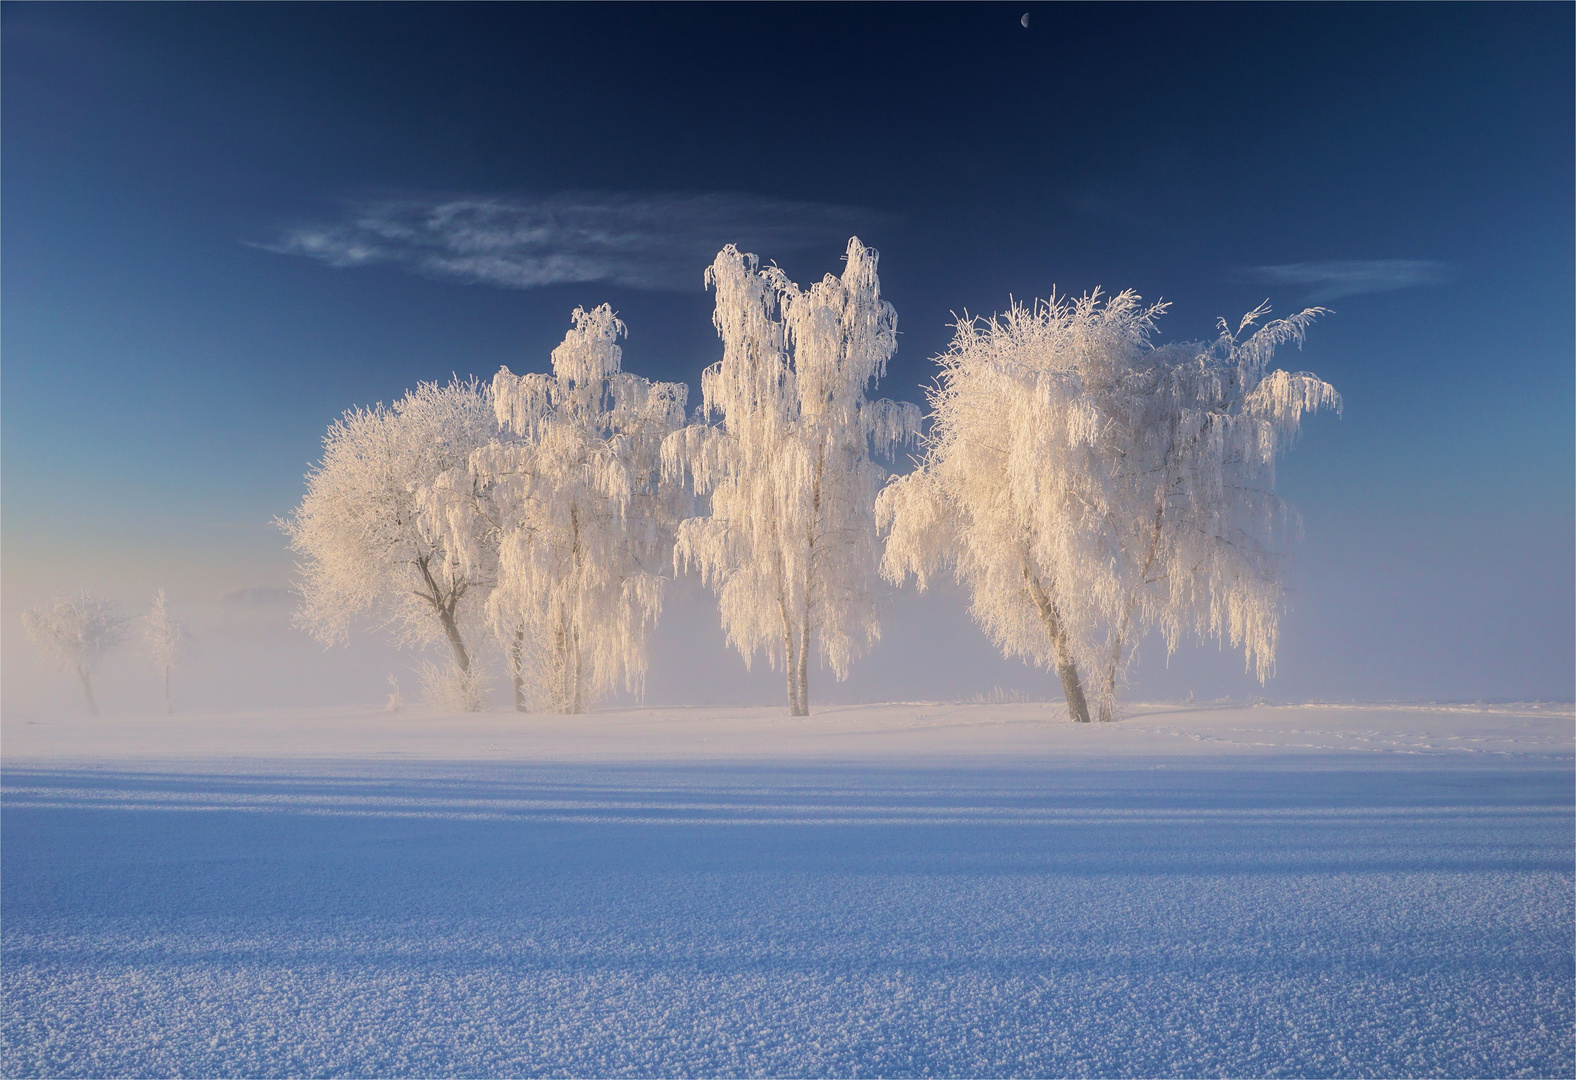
(1355, 277)
(661, 242)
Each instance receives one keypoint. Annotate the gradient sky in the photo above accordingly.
(223, 225)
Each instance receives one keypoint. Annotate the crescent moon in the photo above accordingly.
(1025, 20)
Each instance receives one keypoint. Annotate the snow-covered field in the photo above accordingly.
(881, 890)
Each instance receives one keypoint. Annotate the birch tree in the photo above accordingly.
(166, 639)
(77, 633)
(785, 454)
(365, 551)
(1088, 487)
(571, 498)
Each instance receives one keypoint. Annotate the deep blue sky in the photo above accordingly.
(172, 351)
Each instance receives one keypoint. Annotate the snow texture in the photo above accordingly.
(917, 889)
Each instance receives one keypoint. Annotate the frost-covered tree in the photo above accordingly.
(570, 497)
(786, 458)
(364, 549)
(1087, 486)
(77, 633)
(1202, 531)
(166, 638)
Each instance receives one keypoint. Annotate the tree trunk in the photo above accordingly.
(790, 657)
(791, 667)
(560, 663)
(1067, 671)
(462, 659)
(517, 669)
(1066, 666)
(801, 673)
(802, 676)
(566, 668)
(87, 690)
(1108, 692)
(1114, 664)
(576, 666)
(169, 706)
(577, 706)
(445, 613)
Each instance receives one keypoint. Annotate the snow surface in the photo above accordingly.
(913, 889)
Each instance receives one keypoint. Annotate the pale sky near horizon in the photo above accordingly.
(223, 225)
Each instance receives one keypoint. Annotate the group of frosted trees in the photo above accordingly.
(1084, 484)
(77, 632)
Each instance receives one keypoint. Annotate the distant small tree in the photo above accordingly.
(364, 549)
(790, 543)
(570, 497)
(1087, 486)
(167, 639)
(77, 633)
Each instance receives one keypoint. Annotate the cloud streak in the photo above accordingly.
(1355, 277)
(660, 242)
